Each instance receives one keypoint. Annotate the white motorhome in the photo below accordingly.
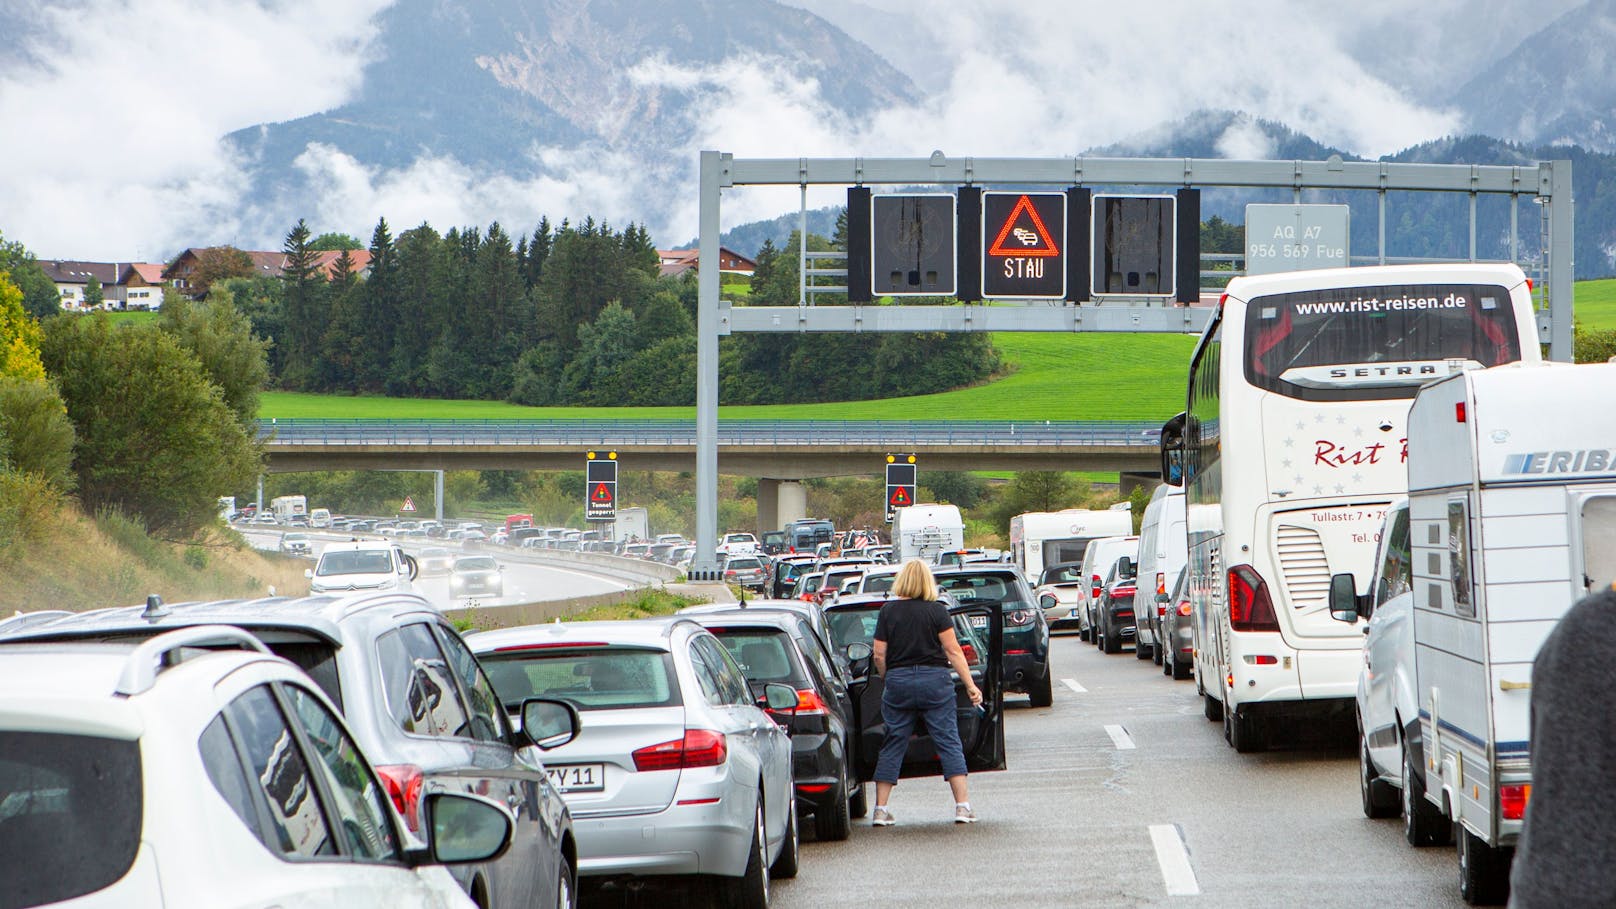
(924, 531)
(631, 524)
(1511, 519)
(1292, 446)
(1039, 539)
(287, 507)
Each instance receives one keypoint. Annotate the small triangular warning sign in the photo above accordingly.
(409, 504)
(900, 496)
(1024, 234)
(602, 493)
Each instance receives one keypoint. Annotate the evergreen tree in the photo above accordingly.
(94, 296)
(537, 252)
(304, 300)
(377, 313)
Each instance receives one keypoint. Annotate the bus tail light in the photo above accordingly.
(1250, 606)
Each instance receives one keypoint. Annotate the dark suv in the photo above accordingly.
(776, 645)
(1115, 623)
(417, 702)
(1026, 632)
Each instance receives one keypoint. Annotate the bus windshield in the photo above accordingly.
(1356, 343)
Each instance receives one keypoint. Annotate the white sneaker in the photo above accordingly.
(882, 817)
(964, 815)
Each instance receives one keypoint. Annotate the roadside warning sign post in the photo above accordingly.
(409, 504)
(600, 487)
(1023, 246)
(901, 473)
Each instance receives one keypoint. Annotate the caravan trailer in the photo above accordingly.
(1511, 519)
(1039, 539)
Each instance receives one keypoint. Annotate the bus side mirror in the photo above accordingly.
(1172, 450)
(1343, 598)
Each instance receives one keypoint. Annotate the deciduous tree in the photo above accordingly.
(19, 336)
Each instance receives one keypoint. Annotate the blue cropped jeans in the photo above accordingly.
(919, 693)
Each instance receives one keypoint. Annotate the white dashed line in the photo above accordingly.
(1120, 737)
(1072, 684)
(1174, 860)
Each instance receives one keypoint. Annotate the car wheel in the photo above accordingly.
(1110, 643)
(1182, 670)
(834, 822)
(1166, 662)
(751, 889)
(1156, 655)
(566, 886)
(859, 805)
(785, 864)
(1423, 823)
(1211, 707)
(1083, 632)
(1042, 691)
(1379, 801)
(1483, 870)
(1141, 651)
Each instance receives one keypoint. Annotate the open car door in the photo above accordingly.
(979, 630)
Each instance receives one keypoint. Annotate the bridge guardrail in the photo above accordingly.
(730, 432)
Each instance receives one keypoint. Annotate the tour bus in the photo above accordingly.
(1039, 539)
(1293, 444)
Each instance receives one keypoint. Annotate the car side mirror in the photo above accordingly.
(549, 723)
(780, 698)
(1125, 567)
(858, 650)
(1343, 598)
(463, 828)
(1162, 598)
(308, 573)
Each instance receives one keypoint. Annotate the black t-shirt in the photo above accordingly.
(910, 628)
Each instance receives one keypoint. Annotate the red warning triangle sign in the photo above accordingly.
(602, 493)
(900, 496)
(1025, 233)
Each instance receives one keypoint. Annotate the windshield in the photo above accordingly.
(998, 588)
(596, 679)
(475, 563)
(1063, 574)
(748, 564)
(1360, 343)
(850, 626)
(763, 655)
(878, 583)
(350, 561)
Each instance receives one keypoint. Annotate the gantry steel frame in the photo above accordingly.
(1548, 183)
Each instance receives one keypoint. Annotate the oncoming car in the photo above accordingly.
(362, 565)
(476, 576)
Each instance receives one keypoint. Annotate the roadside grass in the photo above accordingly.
(1596, 304)
(1049, 377)
(651, 602)
(134, 317)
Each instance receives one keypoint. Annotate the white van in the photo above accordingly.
(1098, 557)
(1511, 518)
(924, 531)
(1163, 552)
(320, 517)
(362, 565)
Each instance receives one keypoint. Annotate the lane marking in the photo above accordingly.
(1072, 684)
(1174, 860)
(1120, 738)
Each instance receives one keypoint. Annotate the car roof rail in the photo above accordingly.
(150, 658)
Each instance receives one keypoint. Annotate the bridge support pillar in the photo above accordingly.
(1128, 482)
(791, 503)
(768, 502)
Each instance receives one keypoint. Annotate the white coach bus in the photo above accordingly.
(1293, 444)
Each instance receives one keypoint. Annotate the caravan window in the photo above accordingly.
(1598, 529)
(1459, 558)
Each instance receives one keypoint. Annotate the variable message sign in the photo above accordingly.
(1023, 246)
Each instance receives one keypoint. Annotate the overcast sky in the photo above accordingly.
(113, 110)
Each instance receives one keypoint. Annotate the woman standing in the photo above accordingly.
(914, 649)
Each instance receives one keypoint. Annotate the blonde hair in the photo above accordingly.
(914, 582)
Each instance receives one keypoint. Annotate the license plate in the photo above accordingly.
(1072, 613)
(979, 621)
(578, 777)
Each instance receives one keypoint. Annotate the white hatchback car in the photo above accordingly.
(107, 753)
(363, 565)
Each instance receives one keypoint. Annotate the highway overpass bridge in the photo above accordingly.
(783, 450)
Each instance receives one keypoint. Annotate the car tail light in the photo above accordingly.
(699, 748)
(813, 788)
(1125, 613)
(969, 652)
(1161, 583)
(1124, 590)
(1015, 653)
(404, 782)
(1512, 800)
(1021, 617)
(1094, 592)
(1250, 606)
(809, 703)
(1184, 607)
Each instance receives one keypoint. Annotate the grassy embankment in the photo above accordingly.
(76, 562)
(1596, 304)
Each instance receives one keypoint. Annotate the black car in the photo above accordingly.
(1114, 619)
(779, 646)
(774, 542)
(1026, 632)
(784, 573)
(979, 630)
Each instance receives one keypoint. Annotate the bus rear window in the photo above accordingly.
(1357, 343)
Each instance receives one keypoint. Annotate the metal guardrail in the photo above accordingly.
(731, 433)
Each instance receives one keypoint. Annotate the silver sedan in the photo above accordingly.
(676, 769)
